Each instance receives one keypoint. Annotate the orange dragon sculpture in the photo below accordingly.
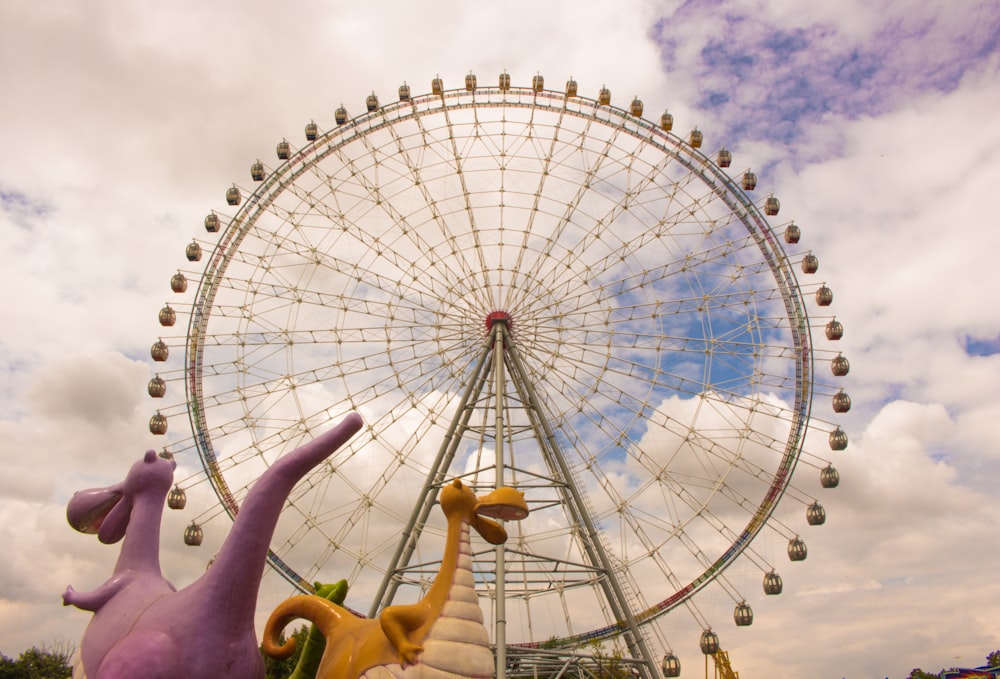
(443, 633)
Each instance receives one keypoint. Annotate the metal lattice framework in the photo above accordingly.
(519, 286)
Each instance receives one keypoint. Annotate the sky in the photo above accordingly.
(871, 119)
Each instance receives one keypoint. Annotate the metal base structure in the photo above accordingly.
(499, 406)
(525, 663)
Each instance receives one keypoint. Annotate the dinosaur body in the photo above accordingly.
(457, 645)
(142, 626)
(441, 636)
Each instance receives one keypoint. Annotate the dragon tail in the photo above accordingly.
(315, 643)
(319, 611)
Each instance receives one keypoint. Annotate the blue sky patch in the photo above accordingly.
(21, 208)
(765, 82)
(982, 347)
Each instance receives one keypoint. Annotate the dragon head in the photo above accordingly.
(504, 503)
(106, 511)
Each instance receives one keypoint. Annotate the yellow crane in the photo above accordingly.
(723, 668)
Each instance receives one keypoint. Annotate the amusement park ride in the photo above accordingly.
(515, 288)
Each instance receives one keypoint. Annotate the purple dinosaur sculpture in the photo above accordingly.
(142, 626)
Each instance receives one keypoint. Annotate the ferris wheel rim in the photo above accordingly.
(284, 175)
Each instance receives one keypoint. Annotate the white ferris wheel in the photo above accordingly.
(521, 286)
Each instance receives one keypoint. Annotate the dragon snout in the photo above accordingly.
(504, 503)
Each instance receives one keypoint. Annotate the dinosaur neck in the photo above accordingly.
(234, 579)
(458, 534)
(141, 547)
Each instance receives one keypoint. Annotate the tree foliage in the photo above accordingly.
(282, 669)
(992, 660)
(51, 661)
(611, 665)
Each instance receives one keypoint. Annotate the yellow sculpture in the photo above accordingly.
(443, 632)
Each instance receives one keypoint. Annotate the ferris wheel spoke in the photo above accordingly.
(411, 235)
(445, 153)
(730, 458)
(532, 228)
(632, 523)
(627, 200)
(459, 163)
(396, 214)
(591, 375)
(593, 165)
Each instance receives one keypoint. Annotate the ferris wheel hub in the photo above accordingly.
(495, 317)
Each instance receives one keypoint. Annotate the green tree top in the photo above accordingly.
(51, 661)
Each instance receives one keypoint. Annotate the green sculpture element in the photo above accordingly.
(315, 644)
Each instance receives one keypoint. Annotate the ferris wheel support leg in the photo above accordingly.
(500, 627)
(612, 588)
(418, 518)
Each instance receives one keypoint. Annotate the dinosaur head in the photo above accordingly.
(106, 511)
(505, 503)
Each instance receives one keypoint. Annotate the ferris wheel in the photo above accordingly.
(517, 286)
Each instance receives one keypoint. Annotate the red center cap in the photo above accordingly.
(495, 316)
